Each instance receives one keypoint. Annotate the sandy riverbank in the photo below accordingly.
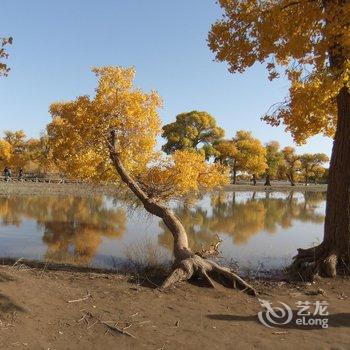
(42, 309)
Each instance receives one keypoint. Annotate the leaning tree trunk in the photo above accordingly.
(187, 263)
(267, 180)
(334, 252)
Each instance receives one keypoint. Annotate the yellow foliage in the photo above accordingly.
(6, 152)
(251, 154)
(183, 172)
(14, 151)
(191, 172)
(226, 151)
(80, 129)
(309, 39)
(312, 165)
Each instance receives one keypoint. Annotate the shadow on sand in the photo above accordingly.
(6, 303)
(334, 320)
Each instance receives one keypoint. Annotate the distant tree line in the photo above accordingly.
(247, 157)
(19, 152)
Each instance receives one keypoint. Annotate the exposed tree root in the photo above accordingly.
(197, 266)
(187, 263)
(317, 261)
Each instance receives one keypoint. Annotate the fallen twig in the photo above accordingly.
(81, 299)
(119, 330)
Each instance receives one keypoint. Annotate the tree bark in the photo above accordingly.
(187, 263)
(267, 180)
(337, 224)
(333, 254)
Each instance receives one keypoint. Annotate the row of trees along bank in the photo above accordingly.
(245, 155)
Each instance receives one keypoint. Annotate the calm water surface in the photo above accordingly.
(259, 230)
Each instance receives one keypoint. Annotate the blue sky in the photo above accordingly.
(57, 42)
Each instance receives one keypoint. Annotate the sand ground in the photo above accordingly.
(41, 309)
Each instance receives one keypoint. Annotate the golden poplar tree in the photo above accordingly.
(274, 161)
(312, 165)
(250, 156)
(291, 164)
(192, 130)
(19, 150)
(111, 137)
(310, 42)
(6, 152)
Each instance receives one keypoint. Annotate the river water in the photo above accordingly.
(259, 231)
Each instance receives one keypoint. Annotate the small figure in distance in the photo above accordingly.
(6, 173)
(20, 175)
(9, 172)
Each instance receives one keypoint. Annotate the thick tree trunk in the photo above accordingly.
(334, 252)
(336, 239)
(187, 263)
(267, 180)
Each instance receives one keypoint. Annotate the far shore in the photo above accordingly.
(277, 187)
(84, 189)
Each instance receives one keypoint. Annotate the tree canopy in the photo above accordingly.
(250, 156)
(291, 164)
(225, 151)
(192, 130)
(312, 165)
(299, 36)
(274, 158)
(79, 136)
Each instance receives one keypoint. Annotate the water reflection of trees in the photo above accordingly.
(242, 219)
(73, 226)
